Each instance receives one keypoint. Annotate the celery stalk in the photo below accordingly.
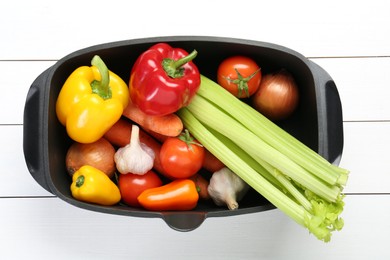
(289, 186)
(272, 134)
(273, 175)
(289, 174)
(259, 168)
(321, 220)
(207, 113)
(241, 168)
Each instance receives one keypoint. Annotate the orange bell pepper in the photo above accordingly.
(179, 194)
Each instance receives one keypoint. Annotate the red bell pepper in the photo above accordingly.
(163, 79)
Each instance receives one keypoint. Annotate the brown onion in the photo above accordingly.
(277, 96)
(99, 154)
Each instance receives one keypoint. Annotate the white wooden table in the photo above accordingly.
(349, 39)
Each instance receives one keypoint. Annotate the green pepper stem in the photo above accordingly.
(101, 87)
(173, 68)
(184, 60)
(80, 181)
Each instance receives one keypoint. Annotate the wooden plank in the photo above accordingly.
(42, 29)
(15, 85)
(16, 179)
(363, 85)
(366, 149)
(52, 228)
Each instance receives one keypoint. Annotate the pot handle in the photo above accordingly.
(186, 221)
(33, 130)
(329, 106)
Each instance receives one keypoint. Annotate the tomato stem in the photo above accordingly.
(188, 139)
(241, 82)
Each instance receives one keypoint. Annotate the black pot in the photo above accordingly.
(317, 122)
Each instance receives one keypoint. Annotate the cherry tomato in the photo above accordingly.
(132, 185)
(182, 156)
(240, 75)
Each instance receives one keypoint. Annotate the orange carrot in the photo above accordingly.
(119, 135)
(168, 125)
(159, 137)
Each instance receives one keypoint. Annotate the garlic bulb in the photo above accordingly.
(136, 157)
(226, 188)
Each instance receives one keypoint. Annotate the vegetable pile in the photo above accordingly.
(172, 137)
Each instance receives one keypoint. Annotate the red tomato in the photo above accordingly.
(181, 157)
(239, 75)
(132, 185)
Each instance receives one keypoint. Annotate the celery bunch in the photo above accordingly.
(287, 173)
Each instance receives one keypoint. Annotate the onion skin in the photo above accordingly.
(277, 96)
(99, 154)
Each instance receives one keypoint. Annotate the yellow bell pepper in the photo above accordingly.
(91, 100)
(94, 186)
